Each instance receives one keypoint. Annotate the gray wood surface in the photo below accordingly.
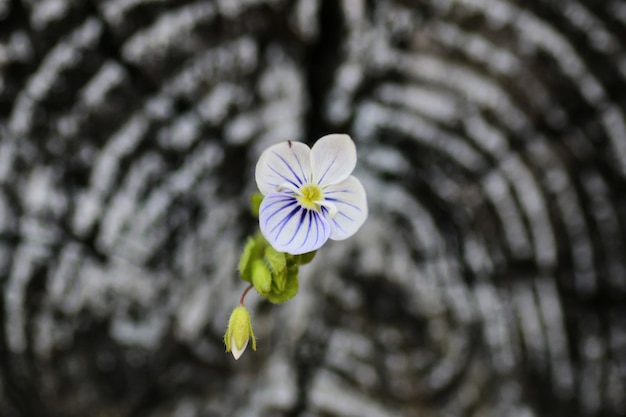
(488, 281)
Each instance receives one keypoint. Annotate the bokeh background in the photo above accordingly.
(489, 279)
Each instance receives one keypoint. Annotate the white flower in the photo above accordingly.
(310, 196)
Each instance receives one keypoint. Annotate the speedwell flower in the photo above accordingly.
(310, 196)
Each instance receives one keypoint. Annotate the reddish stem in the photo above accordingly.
(245, 292)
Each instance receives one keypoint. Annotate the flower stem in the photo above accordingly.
(245, 292)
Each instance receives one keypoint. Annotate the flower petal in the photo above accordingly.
(284, 162)
(333, 158)
(289, 227)
(351, 202)
(235, 350)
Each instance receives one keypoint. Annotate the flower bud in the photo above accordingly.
(261, 277)
(239, 332)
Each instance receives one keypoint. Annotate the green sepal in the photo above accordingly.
(279, 280)
(292, 260)
(245, 262)
(276, 261)
(305, 258)
(255, 203)
(289, 290)
(261, 277)
(274, 274)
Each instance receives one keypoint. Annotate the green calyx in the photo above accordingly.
(239, 332)
(273, 274)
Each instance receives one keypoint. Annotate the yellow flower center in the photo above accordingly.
(310, 193)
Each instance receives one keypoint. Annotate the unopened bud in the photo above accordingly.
(239, 332)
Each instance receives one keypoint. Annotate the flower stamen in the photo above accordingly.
(309, 196)
(289, 186)
(332, 208)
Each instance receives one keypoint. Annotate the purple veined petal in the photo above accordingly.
(351, 202)
(283, 163)
(333, 158)
(289, 227)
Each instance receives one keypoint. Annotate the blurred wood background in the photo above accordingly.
(488, 281)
